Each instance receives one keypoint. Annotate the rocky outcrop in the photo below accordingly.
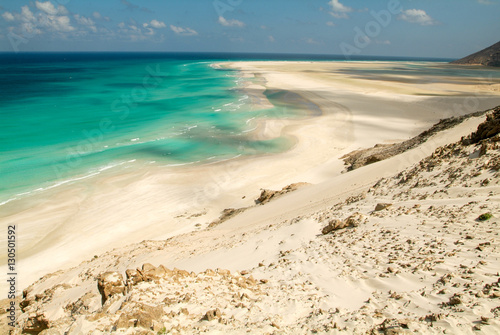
(487, 57)
(213, 314)
(265, 197)
(381, 206)
(226, 215)
(379, 152)
(139, 315)
(487, 129)
(151, 300)
(36, 324)
(268, 195)
(352, 221)
(109, 284)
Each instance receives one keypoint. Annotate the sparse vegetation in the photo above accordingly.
(485, 216)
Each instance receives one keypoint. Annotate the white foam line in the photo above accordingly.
(63, 182)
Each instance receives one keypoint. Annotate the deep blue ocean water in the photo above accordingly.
(67, 116)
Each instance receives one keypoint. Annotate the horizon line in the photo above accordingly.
(353, 57)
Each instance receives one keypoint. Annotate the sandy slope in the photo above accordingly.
(424, 264)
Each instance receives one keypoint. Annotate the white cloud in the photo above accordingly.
(30, 28)
(139, 32)
(27, 15)
(339, 11)
(271, 39)
(86, 21)
(47, 18)
(49, 8)
(46, 7)
(149, 31)
(417, 16)
(330, 24)
(485, 2)
(338, 7)
(230, 23)
(59, 23)
(183, 31)
(97, 15)
(158, 24)
(62, 10)
(8, 16)
(384, 42)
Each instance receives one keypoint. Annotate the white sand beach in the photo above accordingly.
(320, 283)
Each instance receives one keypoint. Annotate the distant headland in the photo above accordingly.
(487, 57)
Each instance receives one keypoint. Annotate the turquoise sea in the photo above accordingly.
(66, 117)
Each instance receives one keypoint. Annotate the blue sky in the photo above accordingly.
(420, 28)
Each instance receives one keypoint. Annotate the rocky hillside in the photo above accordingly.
(487, 57)
(415, 253)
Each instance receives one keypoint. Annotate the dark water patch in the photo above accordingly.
(288, 100)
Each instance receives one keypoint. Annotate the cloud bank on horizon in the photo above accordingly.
(389, 28)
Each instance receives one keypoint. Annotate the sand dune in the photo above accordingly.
(416, 256)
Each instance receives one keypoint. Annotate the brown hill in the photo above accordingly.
(488, 57)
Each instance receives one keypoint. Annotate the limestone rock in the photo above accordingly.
(226, 215)
(110, 283)
(149, 272)
(268, 195)
(455, 300)
(487, 129)
(83, 305)
(355, 220)
(36, 324)
(213, 314)
(382, 206)
(393, 326)
(133, 277)
(352, 221)
(332, 225)
(143, 316)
